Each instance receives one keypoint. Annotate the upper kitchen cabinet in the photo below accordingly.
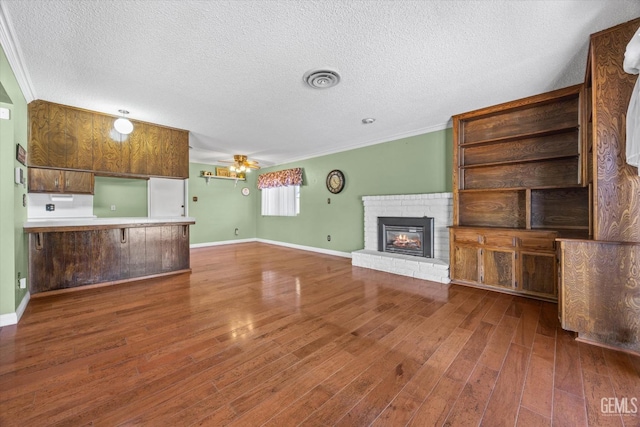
(70, 138)
(60, 181)
(60, 136)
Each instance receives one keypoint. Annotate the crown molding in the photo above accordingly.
(379, 140)
(14, 55)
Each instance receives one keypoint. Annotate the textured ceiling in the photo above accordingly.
(231, 71)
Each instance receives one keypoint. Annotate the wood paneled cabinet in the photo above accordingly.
(508, 260)
(60, 181)
(68, 259)
(600, 277)
(65, 137)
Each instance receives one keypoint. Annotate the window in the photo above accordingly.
(281, 201)
(281, 192)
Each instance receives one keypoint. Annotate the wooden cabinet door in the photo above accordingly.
(79, 139)
(153, 148)
(38, 145)
(169, 159)
(498, 268)
(78, 182)
(60, 136)
(181, 153)
(465, 265)
(538, 273)
(45, 180)
(138, 155)
(107, 146)
(56, 137)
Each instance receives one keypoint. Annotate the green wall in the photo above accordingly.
(419, 164)
(13, 242)
(221, 207)
(128, 195)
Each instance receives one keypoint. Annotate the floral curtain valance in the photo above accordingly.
(281, 178)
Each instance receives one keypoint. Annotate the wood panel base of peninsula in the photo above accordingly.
(66, 258)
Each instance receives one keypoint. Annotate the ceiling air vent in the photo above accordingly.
(321, 79)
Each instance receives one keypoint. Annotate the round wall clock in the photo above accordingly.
(335, 181)
(245, 191)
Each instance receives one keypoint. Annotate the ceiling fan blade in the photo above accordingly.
(241, 160)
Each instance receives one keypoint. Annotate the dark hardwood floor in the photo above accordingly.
(265, 335)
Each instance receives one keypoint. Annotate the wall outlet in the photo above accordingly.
(50, 207)
(113, 207)
(23, 283)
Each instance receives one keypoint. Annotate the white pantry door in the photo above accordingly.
(166, 197)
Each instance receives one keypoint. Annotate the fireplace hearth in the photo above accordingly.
(406, 235)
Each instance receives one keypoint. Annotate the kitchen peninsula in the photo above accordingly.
(68, 253)
(68, 147)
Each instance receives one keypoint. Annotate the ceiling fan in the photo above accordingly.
(241, 163)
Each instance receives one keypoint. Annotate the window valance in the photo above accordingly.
(281, 178)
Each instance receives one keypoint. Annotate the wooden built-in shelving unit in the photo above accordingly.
(518, 178)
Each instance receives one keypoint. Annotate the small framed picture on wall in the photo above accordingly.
(21, 154)
(222, 172)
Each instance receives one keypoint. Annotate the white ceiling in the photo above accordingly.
(231, 71)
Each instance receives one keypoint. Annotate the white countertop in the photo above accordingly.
(79, 222)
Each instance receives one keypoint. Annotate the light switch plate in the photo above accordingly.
(5, 113)
(19, 178)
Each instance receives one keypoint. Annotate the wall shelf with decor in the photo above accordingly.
(208, 175)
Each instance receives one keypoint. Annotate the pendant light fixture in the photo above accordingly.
(122, 124)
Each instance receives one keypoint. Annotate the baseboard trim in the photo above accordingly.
(306, 248)
(221, 243)
(273, 242)
(14, 318)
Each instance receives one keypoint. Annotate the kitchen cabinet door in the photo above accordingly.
(78, 182)
(45, 180)
(58, 181)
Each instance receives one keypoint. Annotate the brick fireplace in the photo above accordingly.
(438, 206)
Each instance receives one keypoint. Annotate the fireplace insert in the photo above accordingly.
(405, 235)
